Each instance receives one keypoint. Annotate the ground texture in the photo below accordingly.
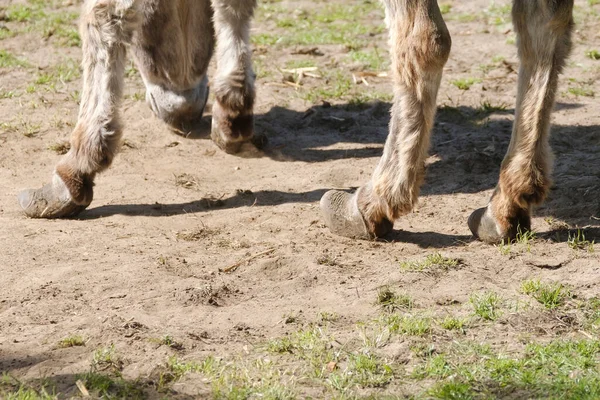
(197, 274)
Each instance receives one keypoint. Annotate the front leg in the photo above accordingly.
(233, 118)
(106, 27)
(420, 45)
(544, 40)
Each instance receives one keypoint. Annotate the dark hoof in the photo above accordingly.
(230, 130)
(260, 141)
(48, 202)
(484, 227)
(342, 216)
(228, 147)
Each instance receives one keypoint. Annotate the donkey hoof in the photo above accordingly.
(342, 216)
(47, 203)
(230, 130)
(260, 141)
(483, 225)
(228, 147)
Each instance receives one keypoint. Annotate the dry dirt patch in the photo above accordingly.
(197, 274)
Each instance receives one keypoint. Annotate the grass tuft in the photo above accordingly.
(593, 54)
(8, 60)
(390, 300)
(451, 323)
(465, 83)
(579, 242)
(486, 305)
(410, 325)
(71, 341)
(550, 295)
(433, 261)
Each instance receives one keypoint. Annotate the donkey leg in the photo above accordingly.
(172, 51)
(420, 45)
(106, 27)
(233, 119)
(544, 40)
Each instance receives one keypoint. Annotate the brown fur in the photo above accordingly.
(420, 45)
(544, 41)
(173, 41)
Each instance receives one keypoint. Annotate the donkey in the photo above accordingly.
(173, 41)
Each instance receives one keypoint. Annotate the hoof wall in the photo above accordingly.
(485, 228)
(342, 216)
(46, 203)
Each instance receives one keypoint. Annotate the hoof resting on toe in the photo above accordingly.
(47, 203)
(484, 227)
(230, 129)
(343, 217)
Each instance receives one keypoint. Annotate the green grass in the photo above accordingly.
(175, 369)
(21, 126)
(106, 359)
(326, 317)
(522, 242)
(169, 342)
(71, 341)
(390, 300)
(322, 23)
(565, 369)
(463, 17)
(581, 91)
(550, 295)
(593, 54)
(337, 86)
(524, 238)
(364, 370)
(410, 325)
(55, 24)
(58, 74)
(24, 13)
(465, 83)
(300, 63)
(264, 39)
(108, 387)
(341, 370)
(445, 8)
(238, 380)
(13, 389)
(8, 60)
(486, 305)
(498, 14)
(433, 261)
(311, 344)
(488, 108)
(451, 323)
(371, 59)
(577, 241)
(591, 314)
(8, 94)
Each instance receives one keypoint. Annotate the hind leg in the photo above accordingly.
(106, 27)
(172, 51)
(544, 40)
(233, 119)
(420, 45)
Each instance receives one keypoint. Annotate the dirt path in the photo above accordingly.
(146, 260)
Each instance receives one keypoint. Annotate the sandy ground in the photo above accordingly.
(172, 215)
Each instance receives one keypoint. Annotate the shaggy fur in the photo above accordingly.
(173, 41)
